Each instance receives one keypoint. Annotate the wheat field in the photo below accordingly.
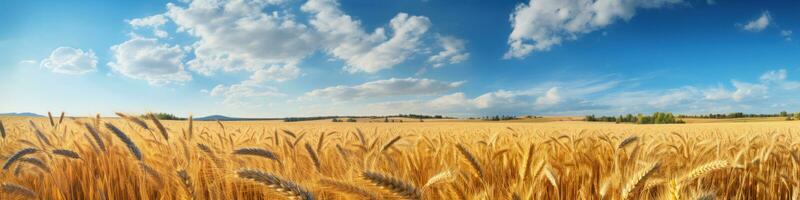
(139, 158)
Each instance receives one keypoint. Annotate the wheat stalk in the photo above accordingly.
(211, 154)
(135, 120)
(287, 188)
(442, 176)
(60, 118)
(39, 134)
(18, 189)
(257, 152)
(390, 143)
(638, 179)
(348, 188)
(2, 130)
(159, 126)
(50, 116)
(186, 181)
(472, 160)
(17, 156)
(96, 136)
(392, 184)
(66, 153)
(35, 162)
(625, 142)
(704, 169)
(313, 155)
(125, 139)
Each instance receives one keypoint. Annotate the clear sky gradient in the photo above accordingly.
(276, 58)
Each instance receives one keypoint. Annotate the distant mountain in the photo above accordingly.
(215, 117)
(24, 114)
(226, 118)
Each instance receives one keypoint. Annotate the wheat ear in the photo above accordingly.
(125, 139)
(36, 162)
(472, 160)
(18, 189)
(391, 142)
(625, 142)
(186, 181)
(394, 185)
(135, 120)
(313, 155)
(2, 129)
(159, 126)
(348, 188)
(638, 180)
(17, 156)
(39, 134)
(252, 151)
(285, 187)
(66, 153)
(704, 169)
(442, 176)
(96, 136)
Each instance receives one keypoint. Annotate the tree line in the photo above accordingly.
(494, 118)
(655, 118)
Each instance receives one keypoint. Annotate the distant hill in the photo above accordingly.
(226, 118)
(215, 117)
(24, 114)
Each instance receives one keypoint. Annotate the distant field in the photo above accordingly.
(113, 158)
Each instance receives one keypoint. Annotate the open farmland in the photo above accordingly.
(135, 158)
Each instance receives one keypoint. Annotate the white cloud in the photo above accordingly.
(778, 77)
(604, 96)
(450, 101)
(675, 96)
(551, 97)
(28, 62)
(68, 60)
(155, 22)
(246, 94)
(345, 39)
(748, 90)
(786, 34)
(276, 73)
(497, 98)
(452, 51)
(239, 35)
(743, 91)
(542, 24)
(383, 88)
(147, 59)
(718, 93)
(774, 75)
(758, 24)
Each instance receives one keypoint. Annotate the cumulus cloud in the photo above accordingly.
(384, 88)
(155, 22)
(68, 60)
(779, 78)
(450, 101)
(239, 35)
(344, 37)
(453, 51)
(774, 75)
(246, 94)
(786, 34)
(276, 73)
(551, 97)
(541, 24)
(758, 24)
(147, 59)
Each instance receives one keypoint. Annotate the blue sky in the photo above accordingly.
(275, 58)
